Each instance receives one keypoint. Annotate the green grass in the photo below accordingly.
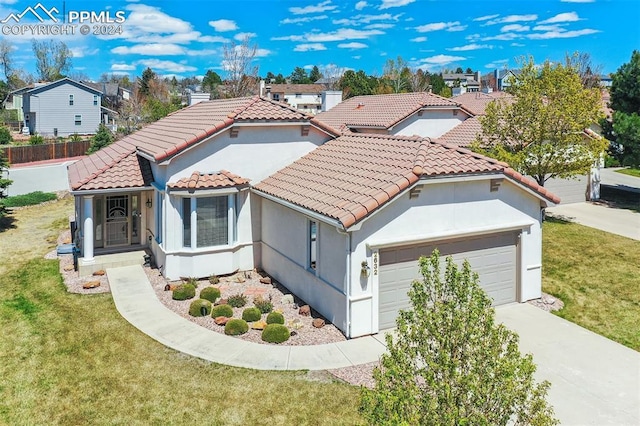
(630, 172)
(72, 359)
(597, 276)
(29, 199)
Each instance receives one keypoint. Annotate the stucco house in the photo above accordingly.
(338, 217)
(60, 108)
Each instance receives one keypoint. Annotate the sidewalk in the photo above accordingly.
(137, 303)
(616, 221)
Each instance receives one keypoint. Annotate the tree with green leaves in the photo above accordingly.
(315, 74)
(299, 76)
(102, 138)
(357, 84)
(439, 87)
(394, 76)
(624, 128)
(53, 59)
(211, 80)
(450, 363)
(4, 182)
(540, 131)
(147, 77)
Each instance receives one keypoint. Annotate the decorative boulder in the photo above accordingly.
(318, 323)
(69, 268)
(99, 273)
(221, 320)
(287, 299)
(91, 284)
(265, 280)
(258, 325)
(305, 310)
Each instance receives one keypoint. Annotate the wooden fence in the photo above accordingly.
(47, 151)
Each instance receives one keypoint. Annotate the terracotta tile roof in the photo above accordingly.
(477, 102)
(296, 88)
(348, 178)
(186, 127)
(131, 171)
(464, 133)
(380, 111)
(221, 179)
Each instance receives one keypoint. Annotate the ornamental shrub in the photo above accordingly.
(264, 305)
(236, 327)
(193, 281)
(222, 311)
(275, 333)
(275, 318)
(251, 314)
(184, 292)
(5, 136)
(36, 140)
(237, 300)
(200, 308)
(210, 293)
(213, 279)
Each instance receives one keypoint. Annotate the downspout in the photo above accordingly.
(348, 283)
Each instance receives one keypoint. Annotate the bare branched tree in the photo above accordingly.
(588, 71)
(242, 74)
(53, 59)
(331, 75)
(6, 60)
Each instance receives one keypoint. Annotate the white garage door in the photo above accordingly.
(492, 257)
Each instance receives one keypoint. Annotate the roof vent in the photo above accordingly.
(360, 105)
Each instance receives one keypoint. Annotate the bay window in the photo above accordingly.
(208, 221)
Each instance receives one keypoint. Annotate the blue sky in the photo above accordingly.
(186, 38)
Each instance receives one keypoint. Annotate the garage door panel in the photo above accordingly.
(493, 258)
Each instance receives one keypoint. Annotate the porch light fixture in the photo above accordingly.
(149, 203)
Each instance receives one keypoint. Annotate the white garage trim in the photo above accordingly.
(495, 256)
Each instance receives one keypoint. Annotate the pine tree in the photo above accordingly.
(102, 138)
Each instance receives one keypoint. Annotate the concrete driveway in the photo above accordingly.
(617, 221)
(594, 381)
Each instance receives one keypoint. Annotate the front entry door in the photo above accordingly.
(117, 220)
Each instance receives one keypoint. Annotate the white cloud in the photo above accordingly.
(244, 36)
(562, 34)
(8, 1)
(352, 45)
(470, 47)
(503, 37)
(222, 25)
(306, 47)
(320, 7)
(512, 18)
(498, 63)
(262, 53)
(548, 28)
(379, 26)
(562, 17)
(213, 39)
(366, 19)
(339, 35)
(303, 19)
(157, 64)
(419, 39)
(517, 45)
(153, 49)
(387, 4)
(486, 17)
(514, 27)
(123, 67)
(441, 59)
(79, 52)
(437, 26)
(361, 5)
(457, 28)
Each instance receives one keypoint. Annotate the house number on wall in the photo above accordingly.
(375, 263)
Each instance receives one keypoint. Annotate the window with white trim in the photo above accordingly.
(208, 221)
(71, 100)
(313, 244)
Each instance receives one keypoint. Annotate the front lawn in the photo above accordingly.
(597, 275)
(630, 172)
(72, 359)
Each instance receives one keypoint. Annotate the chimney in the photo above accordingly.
(268, 89)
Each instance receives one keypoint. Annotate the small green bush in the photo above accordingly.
(275, 318)
(5, 136)
(196, 308)
(36, 140)
(29, 199)
(275, 333)
(236, 327)
(193, 281)
(237, 300)
(222, 311)
(213, 279)
(210, 293)
(264, 305)
(75, 138)
(251, 314)
(184, 292)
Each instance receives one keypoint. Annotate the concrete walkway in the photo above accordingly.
(616, 221)
(137, 303)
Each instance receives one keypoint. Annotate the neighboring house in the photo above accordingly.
(418, 113)
(574, 190)
(499, 80)
(340, 220)
(61, 108)
(303, 97)
(468, 82)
